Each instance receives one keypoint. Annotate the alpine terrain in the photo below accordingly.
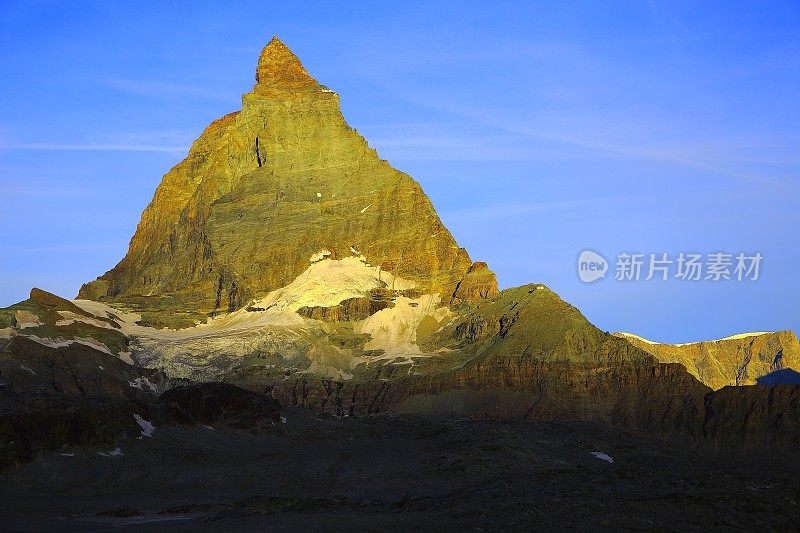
(287, 281)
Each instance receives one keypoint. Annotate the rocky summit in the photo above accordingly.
(285, 274)
(267, 191)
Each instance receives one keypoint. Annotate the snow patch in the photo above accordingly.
(102, 310)
(358, 255)
(625, 334)
(67, 454)
(58, 342)
(603, 457)
(329, 282)
(731, 338)
(23, 367)
(99, 346)
(147, 427)
(735, 337)
(365, 209)
(394, 330)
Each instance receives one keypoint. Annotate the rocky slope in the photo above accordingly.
(737, 360)
(400, 473)
(76, 395)
(268, 188)
(56, 322)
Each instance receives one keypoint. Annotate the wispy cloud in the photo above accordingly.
(171, 91)
(511, 210)
(69, 247)
(561, 132)
(459, 141)
(588, 100)
(95, 147)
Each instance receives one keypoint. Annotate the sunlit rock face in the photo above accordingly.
(266, 188)
(737, 360)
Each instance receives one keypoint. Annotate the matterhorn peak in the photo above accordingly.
(280, 69)
(268, 187)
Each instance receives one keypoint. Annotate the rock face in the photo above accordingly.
(70, 395)
(737, 360)
(52, 320)
(218, 404)
(754, 418)
(265, 189)
(76, 395)
(28, 367)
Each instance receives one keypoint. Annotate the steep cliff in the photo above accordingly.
(264, 190)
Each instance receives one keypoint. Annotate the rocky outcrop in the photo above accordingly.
(352, 309)
(72, 395)
(263, 190)
(36, 424)
(51, 319)
(754, 419)
(75, 395)
(737, 360)
(653, 398)
(477, 284)
(28, 368)
(218, 405)
(660, 399)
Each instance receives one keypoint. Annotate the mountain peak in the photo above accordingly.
(279, 68)
(265, 189)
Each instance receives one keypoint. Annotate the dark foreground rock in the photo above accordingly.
(755, 419)
(399, 473)
(29, 368)
(661, 399)
(38, 425)
(72, 395)
(75, 395)
(218, 405)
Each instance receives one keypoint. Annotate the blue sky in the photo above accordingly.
(538, 129)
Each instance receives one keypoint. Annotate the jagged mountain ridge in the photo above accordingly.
(737, 360)
(263, 190)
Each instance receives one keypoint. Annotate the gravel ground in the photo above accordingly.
(399, 473)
